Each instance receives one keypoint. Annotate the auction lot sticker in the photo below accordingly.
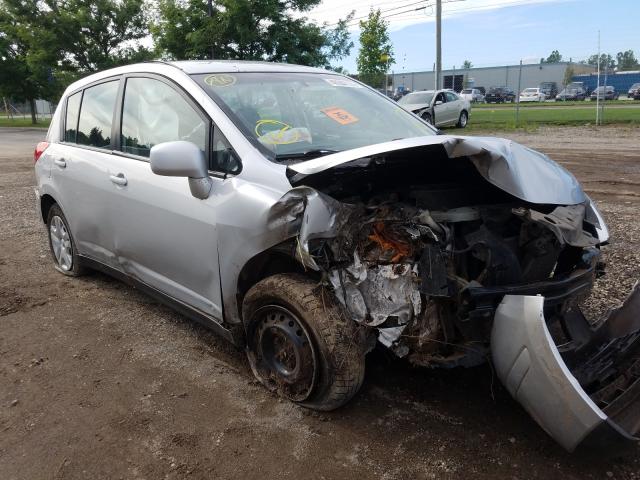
(342, 82)
(220, 80)
(340, 115)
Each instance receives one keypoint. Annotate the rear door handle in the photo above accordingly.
(60, 162)
(119, 179)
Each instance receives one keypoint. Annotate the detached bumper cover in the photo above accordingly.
(532, 369)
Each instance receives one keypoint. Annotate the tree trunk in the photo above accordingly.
(32, 104)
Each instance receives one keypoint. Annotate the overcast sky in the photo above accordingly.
(494, 32)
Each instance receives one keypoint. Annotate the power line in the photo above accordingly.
(359, 5)
(354, 21)
(488, 6)
(381, 11)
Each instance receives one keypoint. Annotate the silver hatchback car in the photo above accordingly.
(307, 218)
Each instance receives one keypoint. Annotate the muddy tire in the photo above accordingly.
(301, 344)
(62, 244)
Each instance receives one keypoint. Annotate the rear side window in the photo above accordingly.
(96, 115)
(153, 113)
(71, 120)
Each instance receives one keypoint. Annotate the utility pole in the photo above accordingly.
(598, 86)
(518, 96)
(210, 15)
(438, 44)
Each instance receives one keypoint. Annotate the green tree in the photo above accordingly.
(555, 57)
(568, 75)
(25, 61)
(376, 52)
(606, 61)
(271, 30)
(467, 64)
(98, 34)
(49, 43)
(627, 60)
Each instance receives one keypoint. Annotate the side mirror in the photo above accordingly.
(439, 102)
(182, 159)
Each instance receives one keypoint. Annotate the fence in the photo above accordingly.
(22, 110)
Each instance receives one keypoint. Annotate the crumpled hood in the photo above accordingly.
(524, 173)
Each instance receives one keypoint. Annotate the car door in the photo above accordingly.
(163, 236)
(440, 109)
(79, 172)
(454, 107)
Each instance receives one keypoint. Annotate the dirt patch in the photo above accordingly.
(99, 381)
(11, 301)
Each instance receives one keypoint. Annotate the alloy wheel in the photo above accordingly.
(61, 243)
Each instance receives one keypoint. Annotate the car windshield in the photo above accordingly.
(309, 114)
(530, 90)
(417, 97)
(466, 91)
(635, 85)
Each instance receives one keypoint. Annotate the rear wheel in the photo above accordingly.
(63, 247)
(463, 120)
(300, 343)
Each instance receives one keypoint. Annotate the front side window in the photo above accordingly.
(71, 120)
(451, 97)
(96, 115)
(290, 115)
(223, 158)
(154, 113)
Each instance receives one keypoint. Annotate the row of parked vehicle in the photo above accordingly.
(575, 91)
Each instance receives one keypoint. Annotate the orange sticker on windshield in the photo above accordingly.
(340, 115)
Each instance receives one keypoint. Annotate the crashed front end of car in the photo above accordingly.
(455, 250)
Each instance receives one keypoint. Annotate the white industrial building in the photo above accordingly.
(532, 76)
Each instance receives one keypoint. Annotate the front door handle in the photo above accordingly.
(60, 162)
(119, 179)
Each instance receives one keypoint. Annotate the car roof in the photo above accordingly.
(190, 67)
(225, 66)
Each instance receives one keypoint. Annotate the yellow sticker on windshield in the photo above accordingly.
(220, 80)
(340, 115)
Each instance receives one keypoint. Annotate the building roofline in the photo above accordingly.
(450, 70)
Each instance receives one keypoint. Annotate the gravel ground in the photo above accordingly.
(99, 381)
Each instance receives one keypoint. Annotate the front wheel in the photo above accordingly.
(463, 119)
(300, 342)
(426, 116)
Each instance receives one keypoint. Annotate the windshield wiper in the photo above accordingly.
(316, 152)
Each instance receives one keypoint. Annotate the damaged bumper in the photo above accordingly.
(585, 393)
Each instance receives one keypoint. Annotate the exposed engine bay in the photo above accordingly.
(431, 255)
(425, 264)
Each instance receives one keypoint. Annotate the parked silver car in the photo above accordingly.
(438, 107)
(472, 95)
(306, 217)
